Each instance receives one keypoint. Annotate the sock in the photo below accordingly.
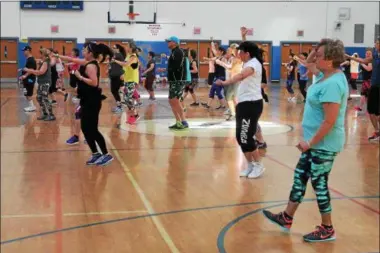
(31, 103)
(287, 216)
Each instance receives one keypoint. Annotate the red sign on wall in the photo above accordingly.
(197, 30)
(112, 29)
(300, 33)
(54, 29)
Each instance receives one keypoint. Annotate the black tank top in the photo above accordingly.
(194, 75)
(89, 94)
(54, 73)
(366, 74)
(220, 71)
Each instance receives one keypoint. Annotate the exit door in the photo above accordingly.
(64, 47)
(8, 59)
(286, 50)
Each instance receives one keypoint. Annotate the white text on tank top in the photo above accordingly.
(250, 87)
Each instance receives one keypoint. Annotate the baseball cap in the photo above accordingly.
(27, 47)
(173, 39)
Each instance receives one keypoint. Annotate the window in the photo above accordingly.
(359, 33)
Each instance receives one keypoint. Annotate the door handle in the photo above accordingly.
(8, 62)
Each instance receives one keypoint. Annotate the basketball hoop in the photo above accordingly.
(132, 16)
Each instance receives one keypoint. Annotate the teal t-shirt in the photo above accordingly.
(188, 74)
(331, 90)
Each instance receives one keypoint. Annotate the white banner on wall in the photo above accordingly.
(154, 29)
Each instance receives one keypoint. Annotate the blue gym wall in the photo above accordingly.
(160, 47)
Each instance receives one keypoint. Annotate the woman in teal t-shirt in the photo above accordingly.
(324, 137)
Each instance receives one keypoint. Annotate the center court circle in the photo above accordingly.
(199, 127)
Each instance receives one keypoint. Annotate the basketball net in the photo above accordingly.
(132, 17)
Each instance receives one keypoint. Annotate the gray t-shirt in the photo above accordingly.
(46, 77)
(115, 70)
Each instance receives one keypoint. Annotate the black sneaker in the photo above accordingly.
(205, 105)
(42, 117)
(194, 104)
(279, 220)
(220, 107)
(321, 234)
(49, 118)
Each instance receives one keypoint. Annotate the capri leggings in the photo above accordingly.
(247, 118)
(216, 89)
(314, 164)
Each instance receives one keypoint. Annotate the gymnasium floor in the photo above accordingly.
(174, 192)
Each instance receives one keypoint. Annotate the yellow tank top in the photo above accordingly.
(130, 74)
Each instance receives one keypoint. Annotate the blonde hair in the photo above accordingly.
(45, 52)
(334, 51)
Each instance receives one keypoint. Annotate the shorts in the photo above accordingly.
(53, 86)
(366, 85)
(191, 86)
(211, 77)
(230, 91)
(176, 89)
(73, 81)
(28, 87)
(373, 102)
(149, 80)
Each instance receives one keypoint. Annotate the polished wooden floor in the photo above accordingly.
(170, 192)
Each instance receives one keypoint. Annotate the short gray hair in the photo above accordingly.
(334, 51)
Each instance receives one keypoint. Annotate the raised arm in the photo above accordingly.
(71, 59)
(360, 60)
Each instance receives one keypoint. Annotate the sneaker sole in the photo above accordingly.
(325, 240)
(258, 175)
(284, 229)
(72, 144)
(108, 162)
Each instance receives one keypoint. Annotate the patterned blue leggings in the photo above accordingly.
(314, 164)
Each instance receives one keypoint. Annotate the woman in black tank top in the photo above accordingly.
(192, 55)
(91, 97)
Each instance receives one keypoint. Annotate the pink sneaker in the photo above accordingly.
(131, 120)
(136, 94)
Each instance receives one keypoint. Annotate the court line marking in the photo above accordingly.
(148, 148)
(9, 216)
(222, 234)
(168, 213)
(330, 188)
(6, 101)
(160, 227)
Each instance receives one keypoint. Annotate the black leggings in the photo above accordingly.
(89, 123)
(247, 118)
(302, 84)
(116, 83)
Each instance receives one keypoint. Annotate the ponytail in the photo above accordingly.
(99, 50)
(121, 50)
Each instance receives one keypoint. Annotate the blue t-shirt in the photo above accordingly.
(331, 90)
(375, 79)
(302, 70)
(188, 74)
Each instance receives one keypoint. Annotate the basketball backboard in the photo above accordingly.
(118, 12)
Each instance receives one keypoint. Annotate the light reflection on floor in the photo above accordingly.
(199, 127)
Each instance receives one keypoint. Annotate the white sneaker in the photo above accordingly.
(227, 112)
(258, 170)
(247, 171)
(30, 109)
(294, 99)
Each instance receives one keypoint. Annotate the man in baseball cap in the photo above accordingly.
(176, 74)
(27, 48)
(29, 79)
